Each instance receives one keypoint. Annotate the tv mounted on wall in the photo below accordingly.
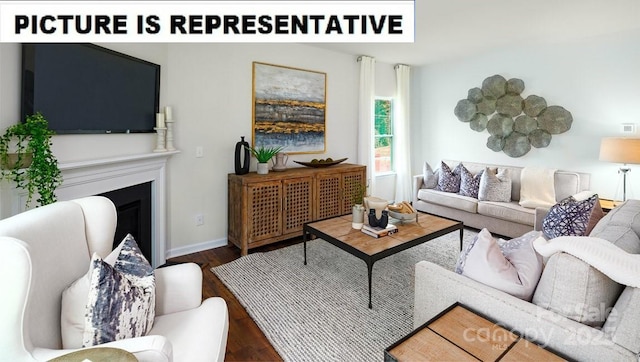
(85, 88)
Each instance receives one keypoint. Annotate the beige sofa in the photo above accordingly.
(574, 283)
(503, 218)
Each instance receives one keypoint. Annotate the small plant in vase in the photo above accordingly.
(358, 193)
(263, 155)
(32, 141)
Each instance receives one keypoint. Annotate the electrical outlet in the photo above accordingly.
(199, 219)
(199, 152)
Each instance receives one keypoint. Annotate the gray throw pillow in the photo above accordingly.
(495, 187)
(429, 178)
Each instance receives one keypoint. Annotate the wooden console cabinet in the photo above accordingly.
(264, 209)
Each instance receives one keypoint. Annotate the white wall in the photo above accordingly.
(209, 87)
(596, 79)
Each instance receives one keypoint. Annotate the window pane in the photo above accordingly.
(384, 136)
(383, 154)
(383, 117)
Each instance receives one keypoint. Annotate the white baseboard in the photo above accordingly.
(189, 249)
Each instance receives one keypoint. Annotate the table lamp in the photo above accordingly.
(621, 150)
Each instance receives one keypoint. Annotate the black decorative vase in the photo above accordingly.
(373, 220)
(384, 219)
(381, 222)
(241, 147)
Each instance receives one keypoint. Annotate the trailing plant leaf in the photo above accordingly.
(43, 176)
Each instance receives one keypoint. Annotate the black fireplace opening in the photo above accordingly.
(133, 206)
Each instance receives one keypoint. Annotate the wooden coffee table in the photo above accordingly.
(338, 231)
(460, 334)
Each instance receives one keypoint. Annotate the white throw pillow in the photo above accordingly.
(537, 187)
(429, 177)
(512, 266)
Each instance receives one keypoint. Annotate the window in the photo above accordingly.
(383, 145)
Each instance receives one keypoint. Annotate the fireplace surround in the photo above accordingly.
(95, 177)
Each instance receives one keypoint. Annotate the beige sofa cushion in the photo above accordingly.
(449, 199)
(574, 289)
(510, 211)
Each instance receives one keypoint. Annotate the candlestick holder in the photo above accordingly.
(160, 140)
(169, 123)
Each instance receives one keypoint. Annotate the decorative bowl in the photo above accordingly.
(321, 164)
(404, 217)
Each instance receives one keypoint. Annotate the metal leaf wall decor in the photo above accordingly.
(514, 124)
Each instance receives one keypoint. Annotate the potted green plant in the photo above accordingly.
(31, 140)
(263, 155)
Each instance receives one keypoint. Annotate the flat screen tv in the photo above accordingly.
(85, 88)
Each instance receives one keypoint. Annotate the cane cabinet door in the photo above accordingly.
(265, 210)
(298, 206)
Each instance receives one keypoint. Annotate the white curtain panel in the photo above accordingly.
(366, 154)
(402, 149)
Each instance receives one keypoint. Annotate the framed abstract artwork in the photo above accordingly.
(289, 108)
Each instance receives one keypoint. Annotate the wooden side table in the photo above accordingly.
(459, 334)
(608, 205)
(97, 354)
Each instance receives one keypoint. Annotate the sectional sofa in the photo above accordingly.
(503, 218)
(569, 293)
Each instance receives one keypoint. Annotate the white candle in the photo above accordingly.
(167, 113)
(160, 120)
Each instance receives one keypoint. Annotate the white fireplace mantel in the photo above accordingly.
(92, 177)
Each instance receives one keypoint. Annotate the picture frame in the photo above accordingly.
(289, 108)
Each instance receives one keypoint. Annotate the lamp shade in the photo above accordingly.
(620, 150)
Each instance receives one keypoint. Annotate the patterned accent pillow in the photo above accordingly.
(569, 217)
(495, 187)
(121, 302)
(469, 183)
(449, 181)
(429, 178)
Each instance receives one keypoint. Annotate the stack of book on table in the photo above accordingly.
(378, 232)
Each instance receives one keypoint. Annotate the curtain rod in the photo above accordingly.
(359, 58)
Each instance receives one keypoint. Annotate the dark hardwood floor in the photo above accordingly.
(246, 342)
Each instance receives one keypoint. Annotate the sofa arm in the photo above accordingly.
(437, 288)
(417, 185)
(146, 349)
(541, 212)
(624, 319)
(178, 288)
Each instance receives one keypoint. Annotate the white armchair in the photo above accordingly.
(44, 250)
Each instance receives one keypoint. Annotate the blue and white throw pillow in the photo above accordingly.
(449, 181)
(569, 217)
(121, 301)
(469, 183)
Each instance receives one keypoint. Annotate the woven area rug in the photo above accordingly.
(319, 312)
